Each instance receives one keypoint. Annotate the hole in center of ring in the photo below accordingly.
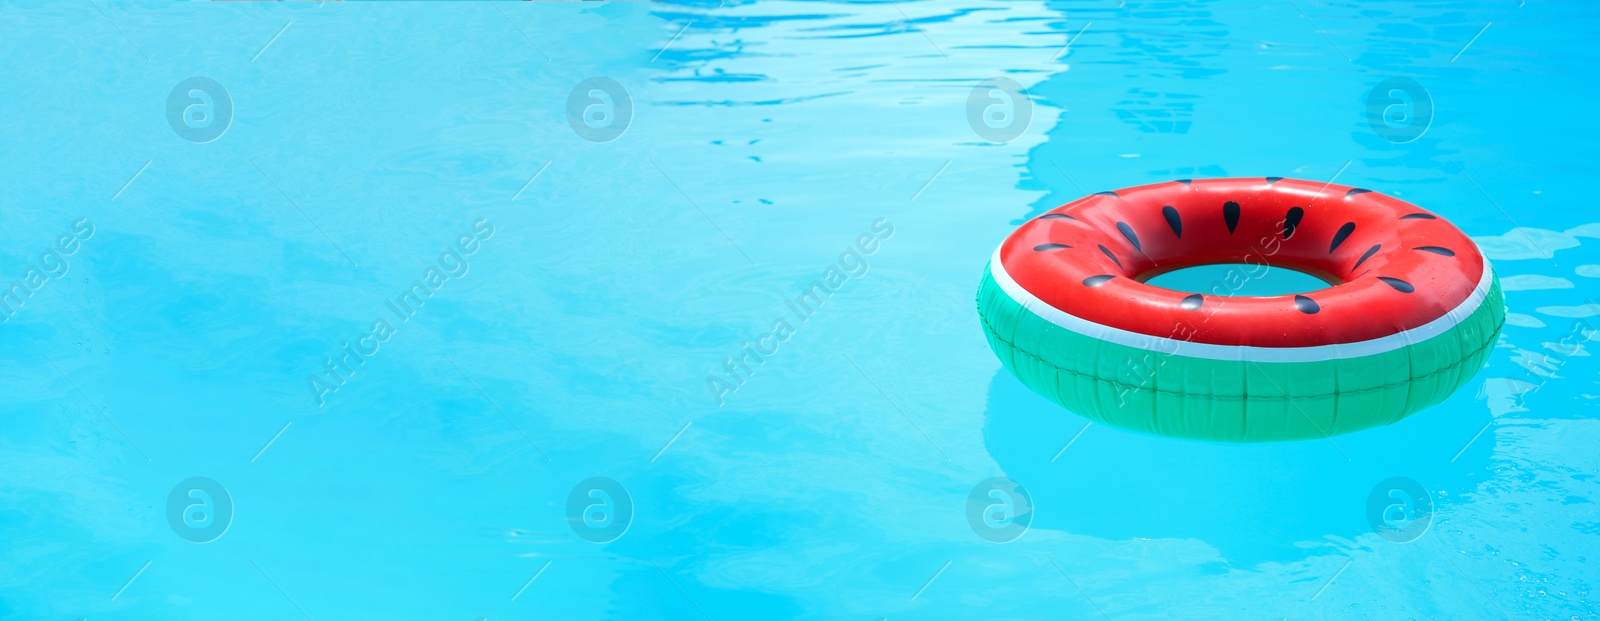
(1238, 279)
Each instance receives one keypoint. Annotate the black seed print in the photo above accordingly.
(1399, 285)
(1272, 180)
(1367, 255)
(1127, 231)
(1306, 305)
(1339, 237)
(1291, 221)
(1095, 281)
(1419, 216)
(1113, 257)
(1186, 181)
(1230, 214)
(1437, 250)
(1355, 191)
(1050, 216)
(1108, 193)
(1173, 220)
(1044, 247)
(1192, 302)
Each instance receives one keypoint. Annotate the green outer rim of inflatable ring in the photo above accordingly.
(1228, 400)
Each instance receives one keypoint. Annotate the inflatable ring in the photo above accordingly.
(1410, 315)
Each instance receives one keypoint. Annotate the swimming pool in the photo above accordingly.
(611, 396)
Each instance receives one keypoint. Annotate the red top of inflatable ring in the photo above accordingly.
(1398, 266)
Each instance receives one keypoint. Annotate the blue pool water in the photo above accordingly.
(1241, 279)
(551, 431)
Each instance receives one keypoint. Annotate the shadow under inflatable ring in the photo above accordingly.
(1411, 313)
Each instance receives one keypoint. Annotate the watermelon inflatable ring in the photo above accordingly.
(1410, 315)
